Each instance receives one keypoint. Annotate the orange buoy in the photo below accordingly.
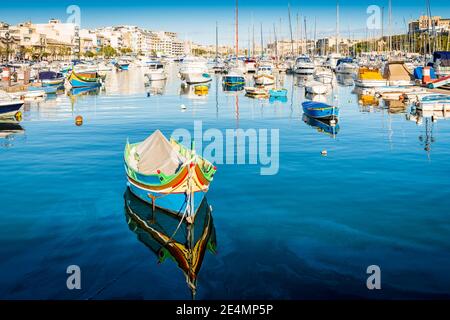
(79, 121)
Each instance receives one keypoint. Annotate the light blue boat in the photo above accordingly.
(48, 89)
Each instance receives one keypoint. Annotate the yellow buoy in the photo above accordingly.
(18, 116)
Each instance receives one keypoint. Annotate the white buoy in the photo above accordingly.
(183, 107)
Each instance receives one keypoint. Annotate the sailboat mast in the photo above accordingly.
(217, 41)
(262, 42)
(237, 30)
(337, 27)
(390, 26)
(290, 28)
(276, 43)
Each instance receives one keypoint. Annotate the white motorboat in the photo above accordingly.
(9, 105)
(156, 71)
(346, 66)
(194, 70)
(332, 60)
(304, 65)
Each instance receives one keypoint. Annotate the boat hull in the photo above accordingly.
(264, 80)
(233, 80)
(173, 202)
(193, 78)
(320, 111)
(77, 82)
(10, 109)
(371, 83)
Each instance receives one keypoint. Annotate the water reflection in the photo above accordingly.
(9, 129)
(168, 238)
(345, 80)
(156, 88)
(322, 126)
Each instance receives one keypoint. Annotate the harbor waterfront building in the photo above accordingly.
(59, 40)
(427, 24)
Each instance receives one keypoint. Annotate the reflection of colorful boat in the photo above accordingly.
(279, 99)
(201, 90)
(167, 174)
(85, 79)
(435, 102)
(231, 88)
(320, 110)
(47, 90)
(85, 91)
(256, 92)
(186, 244)
(322, 125)
(278, 93)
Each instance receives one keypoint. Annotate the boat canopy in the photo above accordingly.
(303, 59)
(49, 75)
(157, 153)
(344, 60)
(397, 71)
(443, 56)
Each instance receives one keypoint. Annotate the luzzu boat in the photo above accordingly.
(167, 174)
(319, 110)
(85, 79)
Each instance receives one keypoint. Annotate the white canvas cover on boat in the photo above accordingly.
(157, 153)
(397, 71)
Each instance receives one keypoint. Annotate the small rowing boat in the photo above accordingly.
(319, 110)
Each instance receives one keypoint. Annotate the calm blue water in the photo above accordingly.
(308, 232)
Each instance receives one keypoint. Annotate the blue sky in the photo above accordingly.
(196, 20)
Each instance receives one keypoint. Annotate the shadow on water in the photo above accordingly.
(9, 129)
(322, 126)
(168, 238)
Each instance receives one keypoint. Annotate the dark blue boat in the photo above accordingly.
(319, 110)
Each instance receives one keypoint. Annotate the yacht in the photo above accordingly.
(194, 70)
(304, 65)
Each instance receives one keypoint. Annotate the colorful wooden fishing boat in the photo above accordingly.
(167, 174)
(85, 79)
(319, 110)
(257, 92)
(168, 239)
